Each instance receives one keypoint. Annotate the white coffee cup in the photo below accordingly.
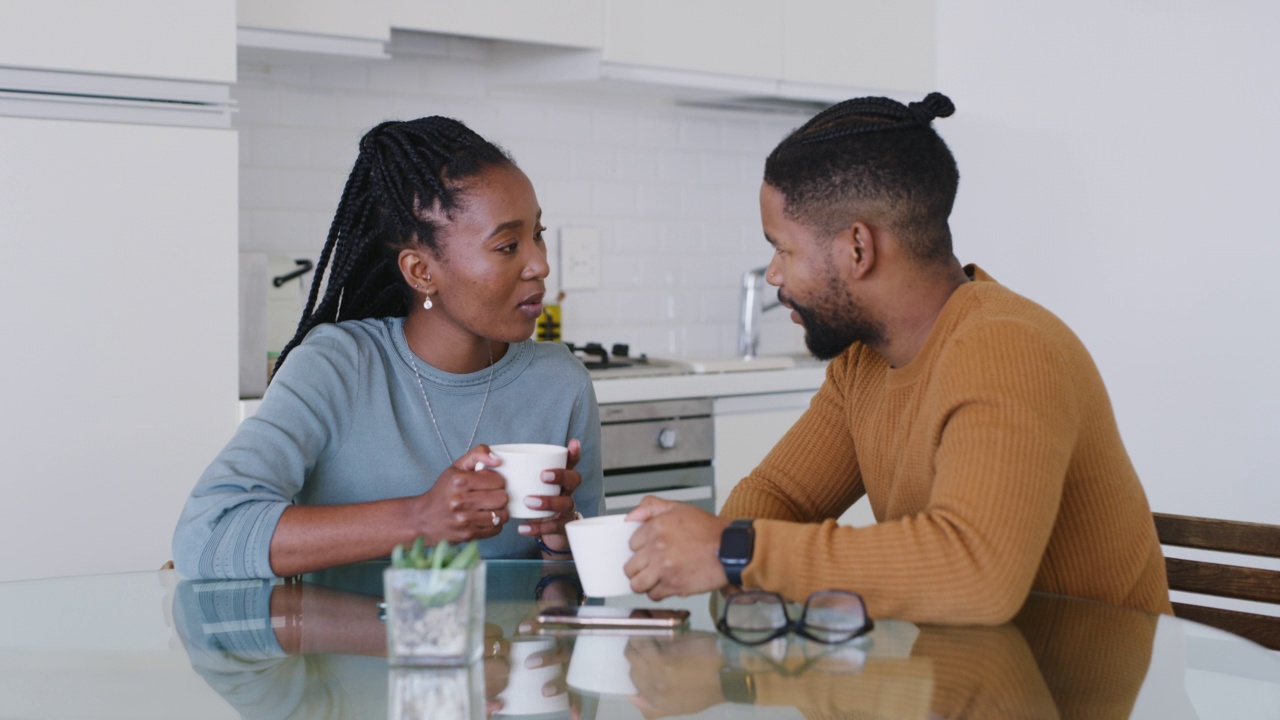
(599, 664)
(522, 467)
(525, 686)
(601, 546)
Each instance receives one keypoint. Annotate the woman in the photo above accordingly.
(417, 356)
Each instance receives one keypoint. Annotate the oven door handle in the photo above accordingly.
(614, 503)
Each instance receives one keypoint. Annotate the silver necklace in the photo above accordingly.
(432, 413)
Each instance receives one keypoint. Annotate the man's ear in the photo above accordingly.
(858, 248)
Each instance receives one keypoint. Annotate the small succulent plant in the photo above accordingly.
(441, 557)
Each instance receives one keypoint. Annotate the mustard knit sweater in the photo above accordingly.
(993, 465)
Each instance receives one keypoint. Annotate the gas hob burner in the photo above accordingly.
(618, 357)
(617, 362)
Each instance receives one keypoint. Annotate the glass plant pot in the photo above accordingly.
(434, 617)
(436, 693)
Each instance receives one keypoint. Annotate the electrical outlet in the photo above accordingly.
(579, 258)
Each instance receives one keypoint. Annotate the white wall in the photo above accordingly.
(1118, 164)
(673, 190)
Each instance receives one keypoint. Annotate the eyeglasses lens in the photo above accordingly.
(753, 618)
(834, 616)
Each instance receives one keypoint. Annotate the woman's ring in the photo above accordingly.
(496, 521)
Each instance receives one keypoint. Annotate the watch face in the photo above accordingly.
(736, 544)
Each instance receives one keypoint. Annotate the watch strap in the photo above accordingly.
(737, 543)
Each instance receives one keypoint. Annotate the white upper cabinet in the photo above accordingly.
(815, 49)
(569, 23)
(726, 37)
(864, 44)
(368, 19)
(168, 39)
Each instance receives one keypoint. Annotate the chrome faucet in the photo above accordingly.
(753, 306)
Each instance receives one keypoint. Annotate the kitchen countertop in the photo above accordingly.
(724, 384)
(804, 376)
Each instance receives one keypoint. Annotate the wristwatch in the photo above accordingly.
(736, 545)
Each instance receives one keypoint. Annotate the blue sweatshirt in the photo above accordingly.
(344, 421)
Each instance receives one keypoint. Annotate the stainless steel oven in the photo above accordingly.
(662, 448)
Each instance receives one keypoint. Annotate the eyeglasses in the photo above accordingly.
(787, 657)
(755, 617)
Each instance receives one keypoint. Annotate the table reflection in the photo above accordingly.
(307, 649)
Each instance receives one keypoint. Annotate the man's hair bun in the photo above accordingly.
(934, 105)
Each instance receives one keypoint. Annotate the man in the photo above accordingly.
(973, 419)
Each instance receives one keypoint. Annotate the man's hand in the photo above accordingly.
(679, 675)
(675, 549)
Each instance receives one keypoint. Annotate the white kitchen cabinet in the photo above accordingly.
(119, 377)
(806, 48)
(170, 39)
(570, 23)
(867, 44)
(728, 37)
(747, 427)
(369, 19)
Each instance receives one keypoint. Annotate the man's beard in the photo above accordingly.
(835, 322)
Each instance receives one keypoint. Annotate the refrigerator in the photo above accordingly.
(118, 275)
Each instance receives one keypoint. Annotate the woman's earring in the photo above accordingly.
(426, 303)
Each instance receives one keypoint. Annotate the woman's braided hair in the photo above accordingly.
(408, 174)
(872, 159)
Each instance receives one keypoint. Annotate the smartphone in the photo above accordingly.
(608, 616)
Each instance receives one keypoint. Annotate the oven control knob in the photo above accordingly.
(667, 438)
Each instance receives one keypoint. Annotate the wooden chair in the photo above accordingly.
(1222, 580)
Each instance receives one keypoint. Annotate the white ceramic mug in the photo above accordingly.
(522, 467)
(599, 665)
(601, 546)
(524, 692)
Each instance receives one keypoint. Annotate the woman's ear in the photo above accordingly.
(415, 266)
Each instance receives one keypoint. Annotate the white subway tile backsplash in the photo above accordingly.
(341, 75)
(613, 199)
(699, 133)
(633, 237)
(672, 190)
(570, 121)
(280, 147)
(715, 168)
(259, 188)
(397, 76)
(681, 166)
(661, 130)
(357, 112)
(255, 102)
(305, 108)
(658, 201)
(279, 232)
(594, 163)
(614, 129)
(564, 198)
(333, 150)
(739, 134)
(638, 165)
(310, 190)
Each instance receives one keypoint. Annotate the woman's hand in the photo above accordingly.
(465, 503)
(551, 529)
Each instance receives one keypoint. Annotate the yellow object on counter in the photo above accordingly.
(548, 328)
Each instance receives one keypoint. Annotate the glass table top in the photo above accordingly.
(143, 645)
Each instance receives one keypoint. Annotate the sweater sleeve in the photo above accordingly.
(812, 473)
(1003, 412)
(226, 526)
(584, 424)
